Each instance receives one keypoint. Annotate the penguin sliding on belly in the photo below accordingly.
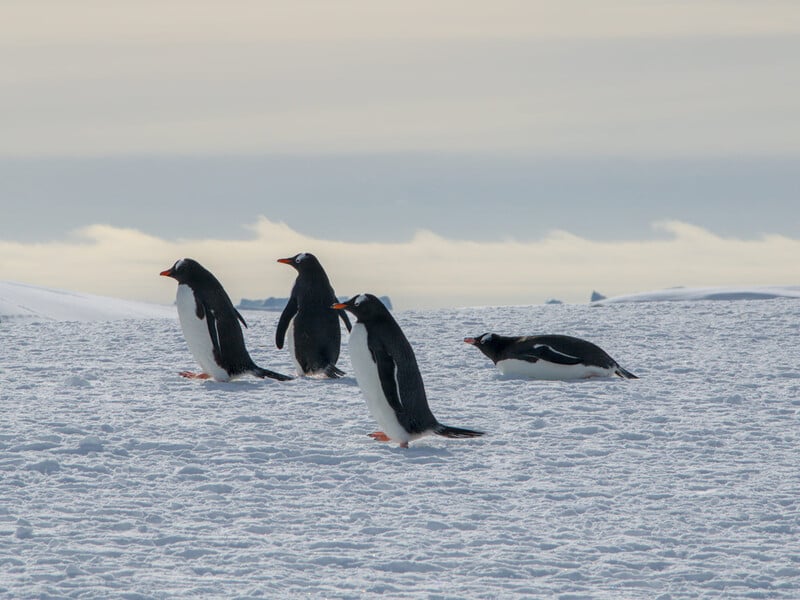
(554, 357)
(309, 326)
(210, 325)
(387, 373)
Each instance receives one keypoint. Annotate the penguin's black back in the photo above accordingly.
(588, 352)
(500, 347)
(214, 304)
(396, 361)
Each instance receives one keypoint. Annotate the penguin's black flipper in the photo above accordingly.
(389, 384)
(456, 432)
(346, 320)
(199, 308)
(224, 333)
(333, 372)
(403, 389)
(259, 372)
(289, 311)
(240, 317)
(213, 329)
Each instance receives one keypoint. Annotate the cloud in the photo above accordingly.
(425, 271)
(616, 78)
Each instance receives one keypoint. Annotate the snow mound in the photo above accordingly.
(24, 302)
(684, 294)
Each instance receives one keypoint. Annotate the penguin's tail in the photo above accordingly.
(259, 372)
(624, 373)
(456, 432)
(333, 371)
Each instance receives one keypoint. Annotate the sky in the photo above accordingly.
(446, 153)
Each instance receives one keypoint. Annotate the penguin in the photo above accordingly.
(554, 357)
(387, 373)
(210, 325)
(307, 323)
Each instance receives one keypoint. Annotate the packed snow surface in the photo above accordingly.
(119, 479)
(706, 293)
(23, 302)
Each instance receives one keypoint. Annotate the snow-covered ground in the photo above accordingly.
(23, 302)
(119, 479)
(682, 294)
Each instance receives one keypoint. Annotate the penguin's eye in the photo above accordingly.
(360, 299)
(300, 258)
(486, 338)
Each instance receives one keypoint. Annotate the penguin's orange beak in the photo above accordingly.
(339, 306)
(472, 341)
(286, 261)
(167, 273)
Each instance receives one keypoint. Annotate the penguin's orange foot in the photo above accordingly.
(379, 436)
(190, 375)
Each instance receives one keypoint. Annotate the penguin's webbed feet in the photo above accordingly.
(333, 372)
(191, 375)
(379, 436)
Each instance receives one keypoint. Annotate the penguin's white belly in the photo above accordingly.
(196, 333)
(542, 369)
(366, 372)
(290, 347)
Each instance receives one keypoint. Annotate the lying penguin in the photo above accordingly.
(387, 373)
(210, 325)
(555, 357)
(307, 323)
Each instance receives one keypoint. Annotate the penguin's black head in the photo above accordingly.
(184, 270)
(484, 338)
(302, 262)
(363, 306)
(486, 343)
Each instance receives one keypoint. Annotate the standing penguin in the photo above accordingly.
(210, 324)
(387, 373)
(314, 337)
(555, 357)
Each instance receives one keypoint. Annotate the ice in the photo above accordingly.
(120, 479)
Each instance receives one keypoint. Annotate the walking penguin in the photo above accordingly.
(210, 325)
(387, 373)
(307, 324)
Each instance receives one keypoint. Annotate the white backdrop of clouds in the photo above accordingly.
(512, 79)
(426, 271)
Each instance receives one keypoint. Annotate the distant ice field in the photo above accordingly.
(121, 480)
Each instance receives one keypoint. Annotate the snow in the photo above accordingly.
(120, 479)
(23, 302)
(683, 294)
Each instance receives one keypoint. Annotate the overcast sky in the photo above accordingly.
(376, 127)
